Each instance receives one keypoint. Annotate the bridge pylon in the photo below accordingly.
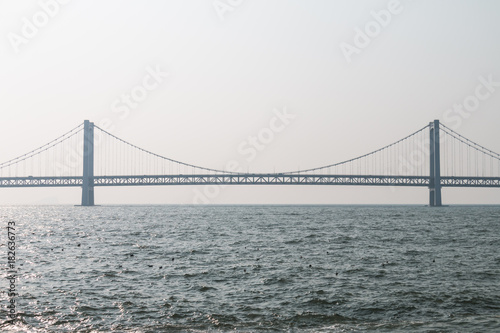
(88, 164)
(435, 166)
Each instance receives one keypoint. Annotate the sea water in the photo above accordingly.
(252, 269)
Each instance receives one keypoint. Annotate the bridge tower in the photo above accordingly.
(435, 167)
(88, 164)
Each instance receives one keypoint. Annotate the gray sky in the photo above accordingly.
(230, 63)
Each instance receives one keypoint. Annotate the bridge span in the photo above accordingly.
(465, 164)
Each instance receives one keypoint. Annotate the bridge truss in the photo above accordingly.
(88, 156)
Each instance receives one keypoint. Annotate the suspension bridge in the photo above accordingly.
(88, 156)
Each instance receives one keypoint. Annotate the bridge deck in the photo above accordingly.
(250, 179)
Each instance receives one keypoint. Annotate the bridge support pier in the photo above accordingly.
(435, 166)
(88, 164)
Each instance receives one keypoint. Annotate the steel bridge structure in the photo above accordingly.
(416, 160)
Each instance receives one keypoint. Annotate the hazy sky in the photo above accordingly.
(231, 64)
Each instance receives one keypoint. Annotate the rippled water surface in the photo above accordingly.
(254, 268)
